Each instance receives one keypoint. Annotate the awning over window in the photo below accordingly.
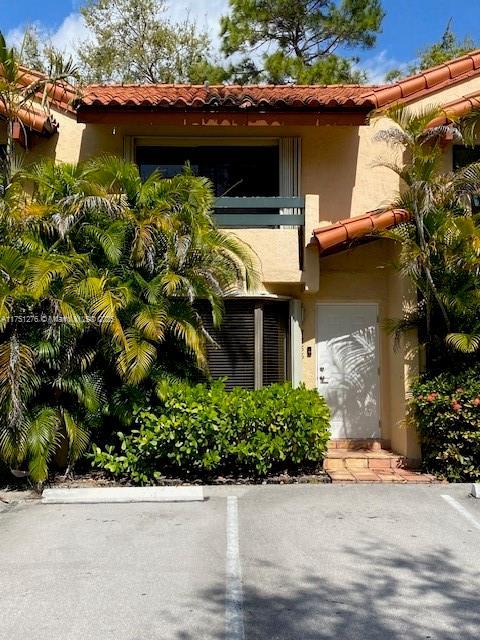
(337, 236)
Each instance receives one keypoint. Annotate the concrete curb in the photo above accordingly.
(475, 491)
(122, 494)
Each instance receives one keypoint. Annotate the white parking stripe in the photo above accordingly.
(461, 509)
(234, 629)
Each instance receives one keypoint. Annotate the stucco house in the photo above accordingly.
(297, 177)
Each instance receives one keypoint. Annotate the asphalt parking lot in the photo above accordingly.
(300, 562)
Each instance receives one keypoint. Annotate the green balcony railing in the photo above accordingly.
(262, 212)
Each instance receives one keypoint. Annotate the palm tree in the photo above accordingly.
(29, 429)
(18, 90)
(43, 390)
(154, 250)
(439, 246)
(114, 265)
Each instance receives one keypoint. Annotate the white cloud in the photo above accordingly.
(15, 36)
(204, 13)
(71, 33)
(379, 65)
(66, 38)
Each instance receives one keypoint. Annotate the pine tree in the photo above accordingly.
(296, 40)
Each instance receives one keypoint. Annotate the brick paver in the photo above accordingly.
(400, 476)
(370, 465)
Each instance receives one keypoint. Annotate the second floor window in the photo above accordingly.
(233, 170)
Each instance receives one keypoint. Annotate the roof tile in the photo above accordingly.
(444, 74)
(35, 119)
(280, 97)
(61, 94)
(337, 236)
(230, 97)
(457, 109)
(413, 85)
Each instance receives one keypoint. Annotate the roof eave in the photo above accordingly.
(307, 117)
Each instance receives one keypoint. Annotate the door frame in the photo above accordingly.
(339, 303)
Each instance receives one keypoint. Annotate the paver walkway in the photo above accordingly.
(367, 465)
(388, 475)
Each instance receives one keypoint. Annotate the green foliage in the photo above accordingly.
(201, 431)
(31, 52)
(448, 48)
(332, 69)
(446, 410)
(133, 41)
(17, 92)
(301, 37)
(440, 246)
(99, 273)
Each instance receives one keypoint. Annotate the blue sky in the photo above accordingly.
(409, 25)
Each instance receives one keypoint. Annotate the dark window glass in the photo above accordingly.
(233, 170)
(462, 156)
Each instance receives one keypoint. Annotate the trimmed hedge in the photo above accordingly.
(447, 413)
(201, 431)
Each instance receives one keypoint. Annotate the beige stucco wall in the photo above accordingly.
(450, 94)
(337, 161)
(276, 251)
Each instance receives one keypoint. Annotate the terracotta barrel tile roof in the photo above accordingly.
(279, 97)
(235, 97)
(457, 109)
(62, 94)
(31, 115)
(428, 81)
(337, 236)
(35, 119)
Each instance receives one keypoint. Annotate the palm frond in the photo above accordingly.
(136, 359)
(43, 438)
(78, 436)
(111, 240)
(464, 342)
(151, 321)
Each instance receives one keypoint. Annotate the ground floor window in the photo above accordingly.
(253, 343)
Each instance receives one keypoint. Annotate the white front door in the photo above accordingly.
(348, 367)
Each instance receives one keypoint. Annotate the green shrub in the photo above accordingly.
(203, 430)
(447, 413)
